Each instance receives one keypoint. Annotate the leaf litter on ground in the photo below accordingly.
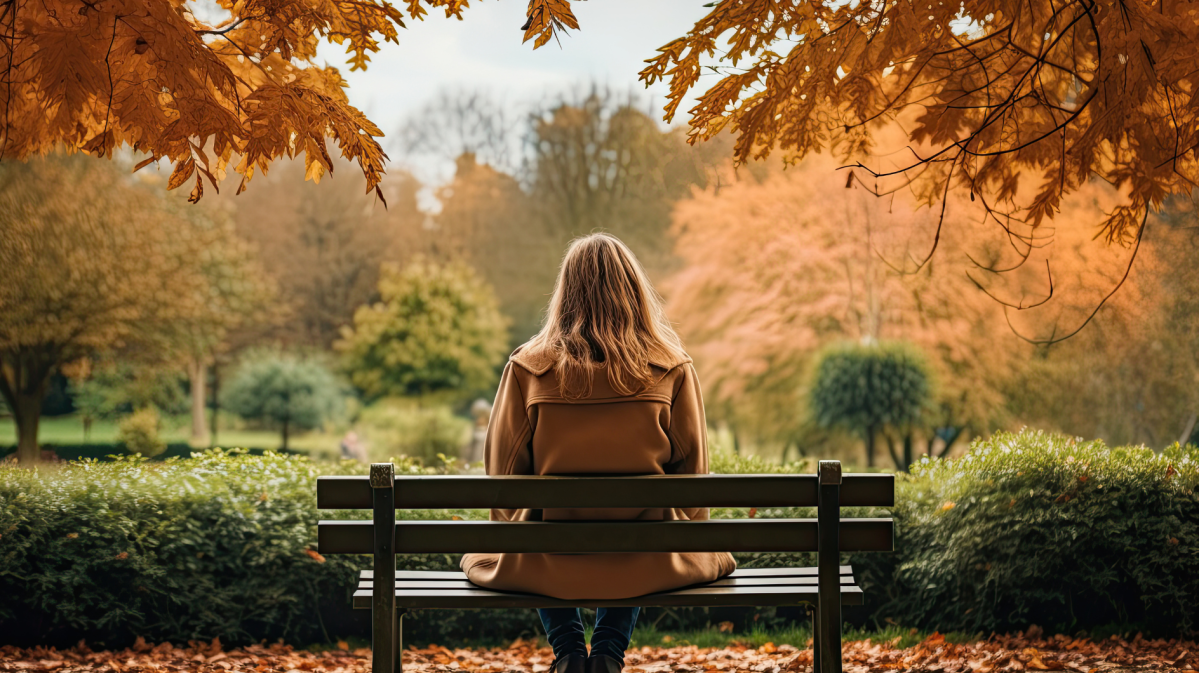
(1025, 652)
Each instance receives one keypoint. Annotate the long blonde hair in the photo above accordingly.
(604, 309)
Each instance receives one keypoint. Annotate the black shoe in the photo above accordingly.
(571, 663)
(602, 663)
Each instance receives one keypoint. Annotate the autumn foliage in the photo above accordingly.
(208, 97)
(1016, 103)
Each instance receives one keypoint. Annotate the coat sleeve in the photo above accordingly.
(688, 433)
(508, 448)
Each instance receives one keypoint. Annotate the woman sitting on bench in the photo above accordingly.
(604, 388)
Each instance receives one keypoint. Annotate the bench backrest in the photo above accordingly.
(383, 493)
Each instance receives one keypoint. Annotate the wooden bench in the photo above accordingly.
(390, 593)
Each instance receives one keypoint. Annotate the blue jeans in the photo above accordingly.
(613, 631)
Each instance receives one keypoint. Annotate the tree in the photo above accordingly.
(866, 388)
(600, 163)
(289, 391)
(996, 95)
(460, 122)
(323, 246)
(594, 161)
(487, 222)
(437, 329)
(777, 265)
(1130, 377)
(237, 292)
(100, 266)
(118, 383)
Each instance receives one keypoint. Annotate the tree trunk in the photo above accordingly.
(949, 438)
(895, 459)
(23, 379)
(198, 373)
(216, 403)
(87, 429)
(870, 432)
(285, 424)
(907, 452)
(27, 413)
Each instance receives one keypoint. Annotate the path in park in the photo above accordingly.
(998, 654)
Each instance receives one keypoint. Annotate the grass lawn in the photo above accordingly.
(69, 430)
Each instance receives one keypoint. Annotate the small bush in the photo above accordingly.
(397, 427)
(288, 391)
(139, 433)
(865, 388)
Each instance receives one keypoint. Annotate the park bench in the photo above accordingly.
(823, 589)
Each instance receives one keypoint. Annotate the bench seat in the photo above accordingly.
(428, 589)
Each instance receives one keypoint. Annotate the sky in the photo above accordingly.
(484, 51)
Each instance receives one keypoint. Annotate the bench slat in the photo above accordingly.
(696, 597)
(367, 585)
(765, 535)
(537, 492)
(454, 575)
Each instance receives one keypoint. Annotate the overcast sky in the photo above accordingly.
(484, 51)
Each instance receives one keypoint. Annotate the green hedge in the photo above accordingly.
(174, 550)
(1035, 528)
(105, 451)
(219, 545)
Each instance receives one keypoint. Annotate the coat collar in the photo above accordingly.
(540, 362)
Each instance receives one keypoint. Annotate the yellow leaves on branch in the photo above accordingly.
(1057, 91)
(150, 75)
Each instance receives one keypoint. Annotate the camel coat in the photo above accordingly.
(534, 430)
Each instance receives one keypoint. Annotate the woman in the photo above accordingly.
(605, 387)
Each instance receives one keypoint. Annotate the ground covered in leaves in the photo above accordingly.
(935, 654)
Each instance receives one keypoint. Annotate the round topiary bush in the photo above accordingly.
(864, 388)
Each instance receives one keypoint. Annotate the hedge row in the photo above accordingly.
(1028, 528)
(105, 451)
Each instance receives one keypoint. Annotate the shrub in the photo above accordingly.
(219, 544)
(139, 433)
(438, 329)
(1035, 527)
(395, 427)
(865, 388)
(283, 389)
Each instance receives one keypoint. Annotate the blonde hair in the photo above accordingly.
(604, 309)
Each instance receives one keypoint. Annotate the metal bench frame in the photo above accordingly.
(390, 593)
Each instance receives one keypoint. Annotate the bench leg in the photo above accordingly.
(383, 598)
(384, 628)
(815, 638)
(828, 604)
(399, 640)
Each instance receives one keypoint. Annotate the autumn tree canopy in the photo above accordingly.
(993, 90)
(1056, 92)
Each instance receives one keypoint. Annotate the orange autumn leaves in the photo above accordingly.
(208, 96)
(996, 91)
(1022, 652)
(1003, 96)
